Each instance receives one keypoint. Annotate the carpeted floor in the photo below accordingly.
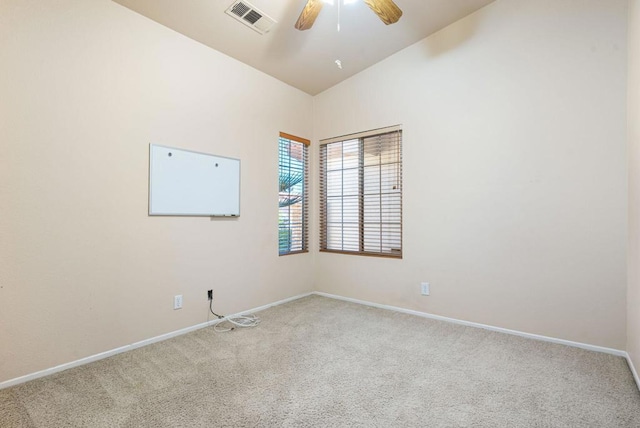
(319, 362)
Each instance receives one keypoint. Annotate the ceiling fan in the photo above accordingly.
(386, 10)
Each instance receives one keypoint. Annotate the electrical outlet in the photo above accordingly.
(210, 294)
(177, 301)
(425, 289)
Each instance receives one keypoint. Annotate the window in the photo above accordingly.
(361, 193)
(293, 174)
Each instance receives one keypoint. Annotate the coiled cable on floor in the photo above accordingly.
(242, 321)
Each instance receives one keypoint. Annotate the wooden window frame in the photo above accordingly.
(390, 231)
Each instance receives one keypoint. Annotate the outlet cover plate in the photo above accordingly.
(425, 289)
(177, 301)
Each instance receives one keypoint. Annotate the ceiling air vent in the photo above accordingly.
(250, 16)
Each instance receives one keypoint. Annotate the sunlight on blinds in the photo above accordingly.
(361, 195)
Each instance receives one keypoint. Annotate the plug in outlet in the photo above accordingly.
(210, 294)
(425, 289)
(177, 301)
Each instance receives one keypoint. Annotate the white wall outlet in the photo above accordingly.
(177, 301)
(425, 289)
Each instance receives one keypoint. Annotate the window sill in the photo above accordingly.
(358, 253)
(294, 252)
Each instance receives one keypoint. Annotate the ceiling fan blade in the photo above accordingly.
(309, 14)
(386, 10)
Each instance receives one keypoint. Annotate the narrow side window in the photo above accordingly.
(293, 178)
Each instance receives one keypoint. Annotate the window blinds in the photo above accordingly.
(293, 167)
(361, 194)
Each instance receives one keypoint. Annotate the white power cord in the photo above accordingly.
(243, 321)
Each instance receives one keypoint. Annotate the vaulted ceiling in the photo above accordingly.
(306, 59)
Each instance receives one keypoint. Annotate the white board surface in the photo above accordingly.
(186, 183)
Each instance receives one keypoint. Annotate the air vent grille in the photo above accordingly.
(240, 9)
(253, 18)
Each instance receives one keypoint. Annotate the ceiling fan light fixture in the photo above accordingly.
(345, 2)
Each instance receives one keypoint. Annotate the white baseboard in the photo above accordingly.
(633, 369)
(483, 326)
(102, 355)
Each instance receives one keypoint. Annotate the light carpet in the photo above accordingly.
(319, 362)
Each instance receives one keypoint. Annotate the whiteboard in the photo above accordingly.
(182, 182)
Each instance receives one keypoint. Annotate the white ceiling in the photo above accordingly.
(306, 59)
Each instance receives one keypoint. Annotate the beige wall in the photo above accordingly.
(633, 135)
(86, 86)
(515, 173)
(514, 176)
